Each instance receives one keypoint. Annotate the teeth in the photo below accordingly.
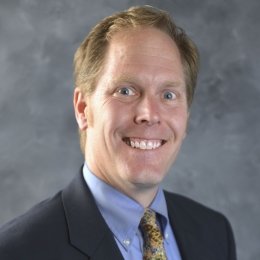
(143, 144)
(149, 145)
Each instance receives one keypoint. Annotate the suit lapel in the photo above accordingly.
(88, 231)
(191, 242)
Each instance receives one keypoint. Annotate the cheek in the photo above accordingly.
(179, 122)
(111, 118)
(116, 111)
(100, 112)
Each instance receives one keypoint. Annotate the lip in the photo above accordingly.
(144, 143)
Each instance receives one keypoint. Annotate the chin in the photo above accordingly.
(146, 177)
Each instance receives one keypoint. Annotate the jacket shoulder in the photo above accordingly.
(206, 225)
(26, 234)
(190, 206)
(193, 211)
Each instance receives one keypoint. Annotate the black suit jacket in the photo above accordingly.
(70, 226)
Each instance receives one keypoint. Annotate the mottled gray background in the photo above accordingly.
(219, 164)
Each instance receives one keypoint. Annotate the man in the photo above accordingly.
(135, 76)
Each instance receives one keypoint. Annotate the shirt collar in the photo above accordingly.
(121, 213)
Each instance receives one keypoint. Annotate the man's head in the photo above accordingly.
(89, 57)
(135, 78)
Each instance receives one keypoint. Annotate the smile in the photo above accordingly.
(143, 144)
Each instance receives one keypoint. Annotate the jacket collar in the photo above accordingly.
(88, 231)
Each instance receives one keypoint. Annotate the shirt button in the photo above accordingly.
(126, 242)
(166, 235)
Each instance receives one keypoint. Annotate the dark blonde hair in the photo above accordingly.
(89, 57)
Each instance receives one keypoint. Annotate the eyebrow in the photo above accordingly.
(135, 81)
(174, 84)
(125, 78)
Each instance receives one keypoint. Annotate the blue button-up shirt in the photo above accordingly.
(122, 215)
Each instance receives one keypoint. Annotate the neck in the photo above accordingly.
(141, 193)
(144, 196)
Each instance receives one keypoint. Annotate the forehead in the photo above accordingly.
(140, 39)
(143, 49)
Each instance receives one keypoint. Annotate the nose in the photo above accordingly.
(147, 111)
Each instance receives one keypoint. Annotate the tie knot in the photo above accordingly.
(149, 218)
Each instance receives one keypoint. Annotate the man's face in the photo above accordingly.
(137, 116)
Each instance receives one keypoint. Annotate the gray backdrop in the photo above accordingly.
(219, 163)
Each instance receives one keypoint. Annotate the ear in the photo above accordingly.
(80, 106)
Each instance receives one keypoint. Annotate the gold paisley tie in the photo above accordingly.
(153, 240)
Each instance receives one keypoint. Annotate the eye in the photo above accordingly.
(169, 95)
(126, 91)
